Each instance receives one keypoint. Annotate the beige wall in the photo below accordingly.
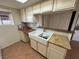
(9, 33)
(59, 20)
(0, 54)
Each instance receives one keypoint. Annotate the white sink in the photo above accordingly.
(41, 36)
(45, 35)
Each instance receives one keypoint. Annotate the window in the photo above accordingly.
(6, 18)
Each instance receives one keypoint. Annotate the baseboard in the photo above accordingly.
(9, 44)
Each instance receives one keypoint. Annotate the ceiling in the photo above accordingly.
(18, 5)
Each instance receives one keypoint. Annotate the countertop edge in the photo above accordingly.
(60, 46)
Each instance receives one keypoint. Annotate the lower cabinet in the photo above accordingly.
(51, 51)
(55, 52)
(42, 49)
(33, 44)
(24, 37)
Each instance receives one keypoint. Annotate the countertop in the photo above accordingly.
(60, 40)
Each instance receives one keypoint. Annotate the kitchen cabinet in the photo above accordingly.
(60, 5)
(24, 37)
(29, 11)
(29, 14)
(60, 20)
(23, 15)
(53, 54)
(42, 49)
(33, 44)
(37, 8)
(56, 52)
(47, 6)
(46, 20)
(54, 47)
(39, 47)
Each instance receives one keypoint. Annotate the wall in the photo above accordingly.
(60, 20)
(38, 19)
(9, 33)
(76, 35)
(0, 55)
(76, 22)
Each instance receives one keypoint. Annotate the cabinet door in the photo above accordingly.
(60, 5)
(29, 14)
(47, 6)
(33, 44)
(22, 35)
(23, 16)
(37, 8)
(46, 21)
(53, 54)
(29, 11)
(59, 49)
(42, 49)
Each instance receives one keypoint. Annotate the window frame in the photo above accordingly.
(10, 18)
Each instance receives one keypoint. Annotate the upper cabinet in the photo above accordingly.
(47, 6)
(37, 8)
(29, 11)
(29, 14)
(23, 16)
(61, 5)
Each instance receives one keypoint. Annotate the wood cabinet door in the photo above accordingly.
(49, 53)
(53, 54)
(22, 35)
(29, 11)
(47, 6)
(33, 44)
(37, 9)
(23, 15)
(29, 14)
(60, 5)
(42, 49)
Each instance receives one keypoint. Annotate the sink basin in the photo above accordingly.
(35, 33)
(44, 35)
(41, 36)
